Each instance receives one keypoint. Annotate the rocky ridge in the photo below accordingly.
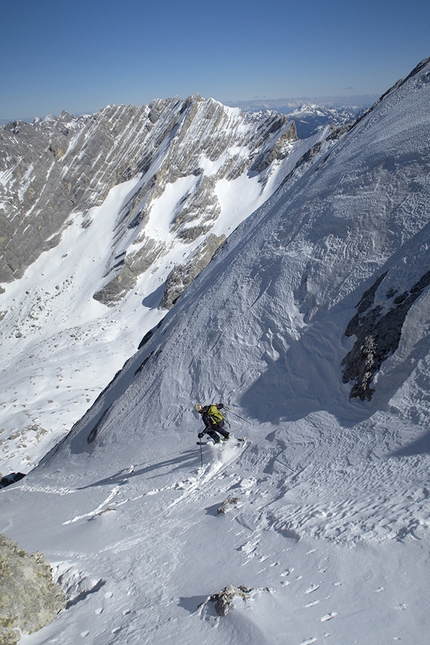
(54, 168)
(378, 329)
(29, 598)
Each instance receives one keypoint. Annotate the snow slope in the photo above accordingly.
(329, 527)
(60, 347)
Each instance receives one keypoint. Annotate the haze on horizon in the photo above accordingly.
(82, 56)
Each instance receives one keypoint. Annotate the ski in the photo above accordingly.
(239, 441)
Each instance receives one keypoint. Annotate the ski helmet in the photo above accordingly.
(197, 407)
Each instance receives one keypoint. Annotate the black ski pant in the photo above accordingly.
(217, 428)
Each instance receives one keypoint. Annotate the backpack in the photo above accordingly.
(215, 414)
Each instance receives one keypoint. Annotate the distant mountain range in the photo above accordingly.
(288, 105)
(309, 114)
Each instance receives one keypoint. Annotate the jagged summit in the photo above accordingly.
(70, 163)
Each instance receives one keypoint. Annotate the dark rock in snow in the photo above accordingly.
(378, 333)
(224, 600)
(7, 480)
(227, 504)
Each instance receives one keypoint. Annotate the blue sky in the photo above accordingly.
(80, 55)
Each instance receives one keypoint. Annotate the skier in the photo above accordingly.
(213, 419)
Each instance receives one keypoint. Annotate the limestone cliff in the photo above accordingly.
(52, 169)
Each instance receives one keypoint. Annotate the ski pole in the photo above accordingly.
(239, 417)
(201, 456)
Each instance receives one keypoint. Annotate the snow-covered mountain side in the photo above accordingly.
(105, 219)
(312, 323)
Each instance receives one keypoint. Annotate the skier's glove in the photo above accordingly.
(201, 434)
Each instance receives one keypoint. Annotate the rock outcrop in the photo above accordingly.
(228, 504)
(29, 598)
(231, 597)
(378, 330)
(224, 600)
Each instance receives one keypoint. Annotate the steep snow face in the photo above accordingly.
(127, 205)
(329, 527)
(295, 274)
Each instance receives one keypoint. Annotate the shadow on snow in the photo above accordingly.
(188, 457)
(419, 447)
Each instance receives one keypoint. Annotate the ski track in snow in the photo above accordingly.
(287, 513)
(221, 457)
(253, 532)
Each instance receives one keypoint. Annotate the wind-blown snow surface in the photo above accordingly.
(330, 526)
